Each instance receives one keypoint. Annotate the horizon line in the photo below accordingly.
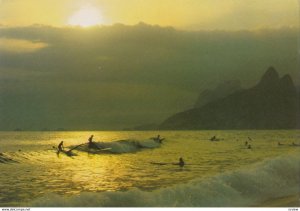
(141, 23)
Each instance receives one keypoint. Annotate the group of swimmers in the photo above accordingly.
(214, 138)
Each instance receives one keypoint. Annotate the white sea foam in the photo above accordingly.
(124, 146)
(271, 178)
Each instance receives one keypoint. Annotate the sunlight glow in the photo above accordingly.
(87, 16)
(20, 45)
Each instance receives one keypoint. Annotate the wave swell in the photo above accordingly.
(6, 159)
(271, 178)
(122, 146)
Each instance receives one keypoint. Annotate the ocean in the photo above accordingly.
(136, 171)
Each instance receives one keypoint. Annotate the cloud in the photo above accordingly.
(122, 76)
(20, 46)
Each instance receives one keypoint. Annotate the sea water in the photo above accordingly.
(139, 172)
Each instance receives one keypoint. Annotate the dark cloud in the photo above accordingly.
(120, 76)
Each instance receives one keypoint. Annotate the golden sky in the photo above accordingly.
(182, 14)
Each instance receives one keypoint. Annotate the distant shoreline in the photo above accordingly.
(103, 130)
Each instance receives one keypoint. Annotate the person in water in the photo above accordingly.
(249, 146)
(181, 162)
(91, 138)
(214, 138)
(60, 146)
(246, 143)
(158, 139)
(92, 144)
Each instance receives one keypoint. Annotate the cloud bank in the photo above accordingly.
(121, 76)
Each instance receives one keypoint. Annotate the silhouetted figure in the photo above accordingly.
(181, 162)
(293, 144)
(60, 146)
(91, 138)
(158, 139)
(249, 146)
(91, 144)
(246, 143)
(213, 138)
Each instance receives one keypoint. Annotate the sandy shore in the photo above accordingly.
(287, 201)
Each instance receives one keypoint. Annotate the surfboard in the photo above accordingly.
(66, 152)
(157, 163)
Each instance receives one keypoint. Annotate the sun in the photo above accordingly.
(86, 16)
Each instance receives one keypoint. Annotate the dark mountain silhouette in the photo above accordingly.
(272, 104)
(222, 90)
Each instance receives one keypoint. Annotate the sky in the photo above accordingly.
(147, 60)
(182, 14)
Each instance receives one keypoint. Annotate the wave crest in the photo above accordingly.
(123, 146)
(245, 187)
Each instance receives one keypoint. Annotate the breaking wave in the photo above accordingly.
(122, 146)
(249, 186)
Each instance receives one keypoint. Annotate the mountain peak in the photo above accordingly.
(272, 104)
(222, 90)
(286, 83)
(286, 79)
(271, 74)
(270, 78)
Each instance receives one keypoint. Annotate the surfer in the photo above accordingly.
(91, 144)
(249, 146)
(91, 138)
(181, 162)
(214, 138)
(246, 143)
(60, 146)
(158, 139)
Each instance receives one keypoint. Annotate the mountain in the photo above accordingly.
(222, 90)
(272, 104)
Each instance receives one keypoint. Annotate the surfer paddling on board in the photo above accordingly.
(180, 163)
(214, 138)
(92, 144)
